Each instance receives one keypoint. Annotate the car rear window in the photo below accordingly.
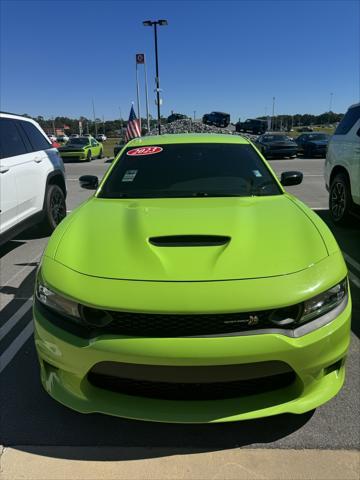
(349, 120)
(189, 170)
(36, 138)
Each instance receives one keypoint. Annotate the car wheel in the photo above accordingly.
(54, 208)
(340, 201)
(100, 154)
(88, 156)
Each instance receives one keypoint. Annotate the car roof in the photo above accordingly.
(188, 138)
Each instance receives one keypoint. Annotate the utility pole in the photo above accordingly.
(149, 23)
(147, 99)
(138, 96)
(194, 115)
(103, 125)
(330, 105)
(273, 111)
(53, 124)
(93, 105)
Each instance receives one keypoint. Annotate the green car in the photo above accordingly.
(192, 288)
(82, 148)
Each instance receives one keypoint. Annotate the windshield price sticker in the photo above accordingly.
(138, 152)
(129, 175)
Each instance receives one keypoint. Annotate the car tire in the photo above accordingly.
(88, 156)
(100, 154)
(54, 208)
(340, 201)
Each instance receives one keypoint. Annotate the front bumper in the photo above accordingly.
(78, 154)
(316, 358)
(281, 152)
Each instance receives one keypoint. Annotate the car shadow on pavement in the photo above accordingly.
(121, 439)
(9, 246)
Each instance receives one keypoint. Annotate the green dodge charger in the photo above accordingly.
(192, 288)
(82, 148)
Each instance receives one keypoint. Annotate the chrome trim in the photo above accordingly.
(292, 333)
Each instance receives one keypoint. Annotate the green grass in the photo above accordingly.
(295, 133)
(108, 146)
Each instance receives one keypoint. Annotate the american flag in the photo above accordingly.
(133, 128)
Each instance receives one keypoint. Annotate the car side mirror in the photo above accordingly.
(291, 178)
(91, 182)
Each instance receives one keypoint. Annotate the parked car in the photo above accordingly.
(101, 137)
(342, 167)
(52, 138)
(176, 116)
(219, 119)
(74, 135)
(313, 144)
(183, 290)
(62, 138)
(276, 145)
(253, 125)
(82, 148)
(32, 178)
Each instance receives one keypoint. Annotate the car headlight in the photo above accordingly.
(297, 315)
(324, 302)
(56, 302)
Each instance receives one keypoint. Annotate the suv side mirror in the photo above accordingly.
(91, 182)
(291, 178)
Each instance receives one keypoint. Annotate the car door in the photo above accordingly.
(95, 148)
(32, 183)
(13, 156)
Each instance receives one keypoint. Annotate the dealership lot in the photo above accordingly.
(31, 418)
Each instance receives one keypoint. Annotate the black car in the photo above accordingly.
(176, 116)
(253, 125)
(313, 144)
(276, 145)
(220, 119)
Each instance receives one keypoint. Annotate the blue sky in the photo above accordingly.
(232, 56)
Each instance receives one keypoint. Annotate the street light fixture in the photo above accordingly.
(155, 23)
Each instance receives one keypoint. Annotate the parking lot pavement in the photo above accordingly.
(29, 417)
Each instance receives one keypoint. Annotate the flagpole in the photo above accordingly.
(147, 99)
(138, 96)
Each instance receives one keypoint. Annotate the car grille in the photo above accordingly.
(192, 390)
(179, 325)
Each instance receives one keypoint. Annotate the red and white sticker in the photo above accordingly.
(138, 152)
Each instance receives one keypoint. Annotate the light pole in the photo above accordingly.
(155, 23)
(330, 105)
(273, 111)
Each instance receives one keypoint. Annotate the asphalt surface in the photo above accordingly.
(29, 417)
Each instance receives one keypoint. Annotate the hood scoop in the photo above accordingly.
(189, 241)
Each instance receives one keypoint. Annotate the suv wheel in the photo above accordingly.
(88, 156)
(54, 208)
(340, 199)
(100, 154)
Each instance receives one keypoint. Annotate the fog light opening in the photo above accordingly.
(95, 317)
(334, 367)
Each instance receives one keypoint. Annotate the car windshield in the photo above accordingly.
(189, 170)
(275, 138)
(78, 141)
(317, 136)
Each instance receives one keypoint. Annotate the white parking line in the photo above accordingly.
(351, 261)
(354, 279)
(15, 346)
(33, 260)
(5, 329)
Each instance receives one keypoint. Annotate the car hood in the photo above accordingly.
(110, 238)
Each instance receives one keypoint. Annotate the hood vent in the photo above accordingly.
(189, 241)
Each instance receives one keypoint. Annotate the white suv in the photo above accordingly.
(32, 178)
(342, 167)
